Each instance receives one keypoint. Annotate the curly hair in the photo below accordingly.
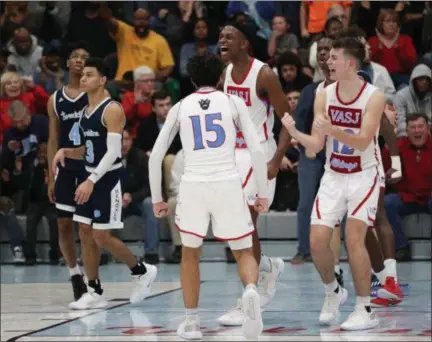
(205, 70)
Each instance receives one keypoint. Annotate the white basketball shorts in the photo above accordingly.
(222, 203)
(356, 194)
(244, 167)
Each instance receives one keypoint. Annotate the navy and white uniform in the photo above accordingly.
(103, 210)
(69, 111)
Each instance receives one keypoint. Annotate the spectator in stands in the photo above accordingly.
(12, 88)
(137, 104)
(291, 11)
(3, 60)
(281, 39)
(39, 207)
(338, 11)
(118, 89)
(417, 98)
(414, 191)
(292, 97)
(25, 52)
(136, 195)
(8, 221)
(393, 50)
(176, 173)
(137, 45)
(289, 69)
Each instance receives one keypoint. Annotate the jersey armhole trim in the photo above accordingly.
(55, 104)
(103, 113)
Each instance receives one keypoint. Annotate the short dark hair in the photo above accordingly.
(76, 46)
(161, 94)
(352, 46)
(205, 70)
(99, 65)
(330, 21)
(415, 116)
(50, 50)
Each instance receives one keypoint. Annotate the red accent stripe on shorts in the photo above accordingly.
(367, 196)
(236, 238)
(247, 178)
(317, 208)
(371, 220)
(186, 232)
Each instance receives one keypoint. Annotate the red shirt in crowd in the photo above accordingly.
(36, 100)
(388, 57)
(135, 111)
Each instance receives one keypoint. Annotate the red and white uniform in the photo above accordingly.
(262, 117)
(351, 180)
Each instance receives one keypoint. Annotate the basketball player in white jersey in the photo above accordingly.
(259, 87)
(348, 112)
(211, 187)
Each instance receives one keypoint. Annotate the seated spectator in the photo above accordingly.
(8, 221)
(25, 53)
(39, 206)
(417, 98)
(414, 191)
(292, 97)
(137, 104)
(136, 196)
(393, 50)
(137, 45)
(281, 39)
(13, 88)
(290, 72)
(118, 89)
(50, 75)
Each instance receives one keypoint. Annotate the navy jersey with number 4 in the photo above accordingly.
(95, 134)
(69, 112)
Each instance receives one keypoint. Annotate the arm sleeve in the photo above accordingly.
(114, 143)
(164, 140)
(259, 164)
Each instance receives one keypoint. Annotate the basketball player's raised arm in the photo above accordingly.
(370, 125)
(250, 134)
(114, 120)
(163, 142)
(54, 128)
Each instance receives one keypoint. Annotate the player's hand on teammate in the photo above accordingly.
(289, 123)
(272, 169)
(59, 158)
(84, 191)
(323, 125)
(261, 205)
(160, 209)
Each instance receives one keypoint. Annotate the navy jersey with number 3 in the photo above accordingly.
(95, 134)
(69, 112)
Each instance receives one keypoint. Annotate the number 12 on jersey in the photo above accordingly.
(340, 148)
(210, 126)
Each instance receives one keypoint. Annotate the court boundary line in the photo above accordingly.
(28, 334)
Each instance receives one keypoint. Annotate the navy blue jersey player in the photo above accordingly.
(99, 196)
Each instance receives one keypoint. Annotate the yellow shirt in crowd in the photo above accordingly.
(133, 51)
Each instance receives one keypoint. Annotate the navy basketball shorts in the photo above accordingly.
(66, 182)
(103, 210)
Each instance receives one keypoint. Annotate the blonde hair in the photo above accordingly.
(7, 76)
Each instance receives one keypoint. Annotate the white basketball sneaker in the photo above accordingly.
(252, 323)
(360, 319)
(234, 317)
(330, 311)
(143, 283)
(267, 284)
(89, 301)
(189, 329)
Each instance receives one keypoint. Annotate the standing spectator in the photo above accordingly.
(136, 196)
(414, 191)
(13, 88)
(290, 72)
(281, 39)
(25, 53)
(50, 75)
(293, 97)
(40, 206)
(137, 104)
(8, 221)
(417, 98)
(391, 49)
(137, 45)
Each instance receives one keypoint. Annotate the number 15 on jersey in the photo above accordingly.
(211, 125)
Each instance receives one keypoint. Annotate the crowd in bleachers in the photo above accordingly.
(147, 45)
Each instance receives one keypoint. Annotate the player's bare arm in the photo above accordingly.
(389, 135)
(163, 142)
(69, 153)
(371, 121)
(221, 82)
(270, 85)
(54, 128)
(314, 142)
(106, 14)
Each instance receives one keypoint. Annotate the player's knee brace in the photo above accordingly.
(190, 240)
(243, 243)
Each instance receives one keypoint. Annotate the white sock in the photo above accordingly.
(390, 267)
(265, 264)
(337, 269)
(251, 286)
(74, 270)
(381, 276)
(362, 301)
(329, 288)
(192, 313)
